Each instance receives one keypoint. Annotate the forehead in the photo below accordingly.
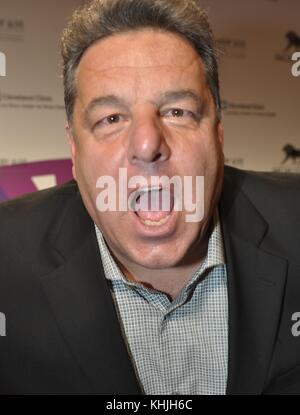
(139, 59)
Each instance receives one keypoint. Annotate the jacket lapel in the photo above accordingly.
(83, 307)
(256, 279)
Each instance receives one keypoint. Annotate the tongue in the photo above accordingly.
(154, 205)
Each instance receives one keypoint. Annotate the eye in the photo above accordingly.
(111, 119)
(177, 112)
(181, 114)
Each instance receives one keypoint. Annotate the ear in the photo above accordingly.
(220, 133)
(72, 146)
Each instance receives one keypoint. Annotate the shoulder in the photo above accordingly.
(34, 214)
(276, 197)
(267, 189)
(264, 180)
(31, 203)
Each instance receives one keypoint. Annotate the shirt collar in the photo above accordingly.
(215, 256)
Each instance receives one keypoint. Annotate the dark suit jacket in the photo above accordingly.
(63, 334)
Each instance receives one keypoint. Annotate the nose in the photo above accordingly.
(147, 142)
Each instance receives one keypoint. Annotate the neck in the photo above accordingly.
(170, 281)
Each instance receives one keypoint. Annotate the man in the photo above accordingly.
(129, 301)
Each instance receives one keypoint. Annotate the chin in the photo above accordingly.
(160, 257)
(159, 263)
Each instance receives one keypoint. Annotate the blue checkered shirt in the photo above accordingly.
(179, 346)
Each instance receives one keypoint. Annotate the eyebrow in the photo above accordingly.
(163, 99)
(171, 96)
(112, 100)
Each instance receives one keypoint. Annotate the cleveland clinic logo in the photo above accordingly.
(153, 199)
(2, 64)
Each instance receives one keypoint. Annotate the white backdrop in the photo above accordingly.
(261, 97)
(31, 98)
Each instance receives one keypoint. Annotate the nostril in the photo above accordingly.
(157, 157)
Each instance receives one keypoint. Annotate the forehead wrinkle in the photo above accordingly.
(138, 67)
(91, 67)
(87, 71)
(137, 73)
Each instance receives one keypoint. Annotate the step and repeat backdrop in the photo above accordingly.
(259, 54)
(258, 45)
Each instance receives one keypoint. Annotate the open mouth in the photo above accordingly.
(153, 205)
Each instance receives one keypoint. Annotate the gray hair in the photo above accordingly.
(101, 18)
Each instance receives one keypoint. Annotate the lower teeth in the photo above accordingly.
(155, 223)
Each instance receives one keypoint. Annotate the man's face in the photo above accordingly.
(143, 104)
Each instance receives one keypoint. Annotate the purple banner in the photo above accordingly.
(19, 179)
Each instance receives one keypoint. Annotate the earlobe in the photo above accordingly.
(72, 147)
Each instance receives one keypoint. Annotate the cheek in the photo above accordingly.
(95, 161)
(198, 157)
(87, 167)
(212, 150)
